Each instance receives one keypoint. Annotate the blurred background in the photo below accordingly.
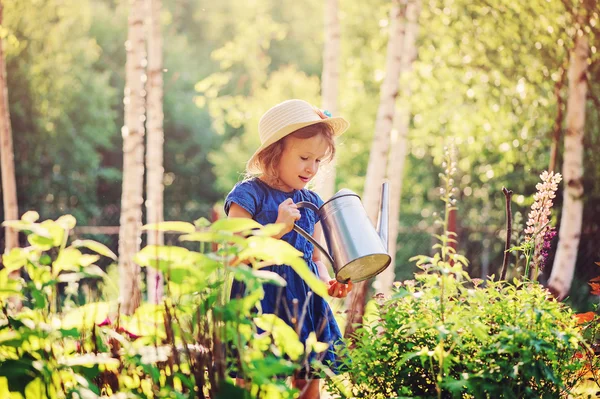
(488, 79)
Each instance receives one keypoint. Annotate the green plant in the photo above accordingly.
(444, 335)
(181, 348)
(539, 233)
(498, 341)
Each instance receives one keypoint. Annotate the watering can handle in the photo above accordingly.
(303, 233)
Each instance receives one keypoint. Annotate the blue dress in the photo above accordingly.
(262, 202)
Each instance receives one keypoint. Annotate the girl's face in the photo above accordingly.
(300, 161)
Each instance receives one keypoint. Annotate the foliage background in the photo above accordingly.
(484, 79)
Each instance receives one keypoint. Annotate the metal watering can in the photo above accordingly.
(357, 251)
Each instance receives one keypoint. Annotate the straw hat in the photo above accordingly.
(286, 118)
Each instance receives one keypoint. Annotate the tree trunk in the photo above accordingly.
(558, 122)
(155, 142)
(395, 172)
(325, 182)
(379, 149)
(572, 170)
(9, 185)
(133, 160)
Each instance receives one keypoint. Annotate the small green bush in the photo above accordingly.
(441, 336)
(54, 347)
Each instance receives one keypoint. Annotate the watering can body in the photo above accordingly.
(357, 251)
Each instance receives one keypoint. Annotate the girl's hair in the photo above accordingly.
(268, 159)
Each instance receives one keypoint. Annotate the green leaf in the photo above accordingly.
(19, 373)
(15, 259)
(96, 247)
(40, 242)
(269, 230)
(284, 336)
(150, 255)
(67, 222)
(201, 222)
(9, 286)
(68, 259)
(245, 273)
(148, 320)
(208, 236)
(228, 390)
(235, 225)
(86, 316)
(20, 225)
(312, 344)
(269, 249)
(177, 227)
(57, 232)
(279, 252)
(314, 283)
(30, 217)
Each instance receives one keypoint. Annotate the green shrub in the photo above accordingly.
(444, 335)
(440, 336)
(55, 347)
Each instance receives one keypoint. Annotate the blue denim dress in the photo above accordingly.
(262, 202)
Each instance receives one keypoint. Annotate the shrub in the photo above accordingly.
(444, 335)
(440, 336)
(54, 348)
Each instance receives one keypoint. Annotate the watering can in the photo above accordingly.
(358, 251)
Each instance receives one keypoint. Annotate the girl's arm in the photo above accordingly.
(236, 211)
(336, 289)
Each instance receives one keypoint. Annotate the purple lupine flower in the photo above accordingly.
(538, 223)
(546, 246)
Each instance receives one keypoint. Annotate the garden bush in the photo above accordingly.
(442, 336)
(58, 345)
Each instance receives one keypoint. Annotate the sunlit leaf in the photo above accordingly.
(30, 216)
(284, 336)
(40, 242)
(235, 225)
(314, 283)
(96, 247)
(209, 236)
(269, 230)
(90, 359)
(15, 259)
(68, 259)
(148, 320)
(150, 254)
(269, 248)
(57, 232)
(202, 222)
(312, 344)
(20, 225)
(86, 316)
(67, 222)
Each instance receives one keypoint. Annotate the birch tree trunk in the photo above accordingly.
(572, 171)
(155, 141)
(325, 182)
(133, 160)
(9, 185)
(399, 144)
(379, 149)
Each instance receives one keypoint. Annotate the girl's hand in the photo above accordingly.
(287, 214)
(339, 290)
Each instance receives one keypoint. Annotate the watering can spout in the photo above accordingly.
(383, 221)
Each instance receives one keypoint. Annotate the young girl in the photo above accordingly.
(295, 138)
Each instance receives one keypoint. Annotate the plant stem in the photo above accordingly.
(508, 195)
